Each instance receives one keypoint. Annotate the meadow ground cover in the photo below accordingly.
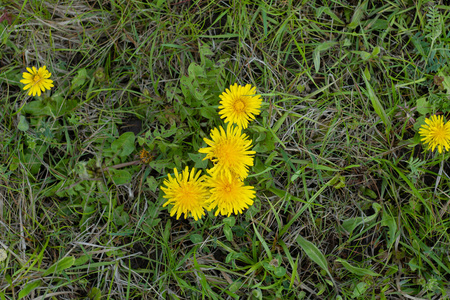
(195, 149)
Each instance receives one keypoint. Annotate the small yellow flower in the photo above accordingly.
(229, 151)
(239, 105)
(187, 192)
(37, 80)
(229, 194)
(436, 133)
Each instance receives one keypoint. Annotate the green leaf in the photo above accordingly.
(120, 217)
(389, 221)
(375, 102)
(120, 176)
(27, 289)
(23, 124)
(61, 265)
(316, 53)
(423, 106)
(95, 294)
(196, 238)
(37, 108)
(357, 15)
(230, 221)
(228, 232)
(313, 253)
(124, 145)
(360, 290)
(80, 78)
(280, 271)
(350, 224)
(356, 270)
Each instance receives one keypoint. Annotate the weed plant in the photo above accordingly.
(349, 203)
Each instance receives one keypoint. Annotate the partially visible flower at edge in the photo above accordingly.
(229, 151)
(436, 133)
(37, 80)
(229, 194)
(187, 193)
(239, 105)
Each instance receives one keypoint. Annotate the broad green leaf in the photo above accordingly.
(120, 176)
(120, 217)
(95, 293)
(228, 233)
(350, 224)
(37, 108)
(356, 270)
(280, 271)
(23, 124)
(360, 290)
(27, 289)
(375, 102)
(124, 145)
(423, 106)
(196, 238)
(230, 221)
(80, 78)
(357, 15)
(59, 266)
(313, 253)
(389, 221)
(316, 53)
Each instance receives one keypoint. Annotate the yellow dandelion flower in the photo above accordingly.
(229, 151)
(436, 133)
(37, 80)
(187, 193)
(239, 105)
(229, 194)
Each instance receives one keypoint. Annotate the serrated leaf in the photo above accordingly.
(27, 289)
(124, 145)
(356, 270)
(59, 266)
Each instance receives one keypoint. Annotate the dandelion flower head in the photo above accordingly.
(229, 151)
(435, 133)
(229, 194)
(239, 105)
(37, 80)
(187, 193)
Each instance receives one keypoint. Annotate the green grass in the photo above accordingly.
(349, 204)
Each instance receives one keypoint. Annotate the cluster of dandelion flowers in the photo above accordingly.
(37, 80)
(229, 151)
(436, 133)
(239, 105)
(187, 193)
(229, 194)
